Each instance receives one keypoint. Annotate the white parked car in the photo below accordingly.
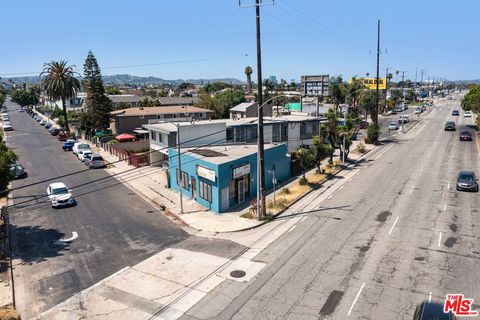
(60, 195)
(467, 114)
(43, 122)
(404, 118)
(82, 153)
(393, 126)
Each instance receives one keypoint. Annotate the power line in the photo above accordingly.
(283, 22)
(142, 65)
(124, 172)
(324, 29)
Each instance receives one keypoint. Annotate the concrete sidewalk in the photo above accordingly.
(151, 184)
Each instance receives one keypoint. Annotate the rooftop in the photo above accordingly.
(169, 127)
(242, 107)
(129, 112)
(226, 153)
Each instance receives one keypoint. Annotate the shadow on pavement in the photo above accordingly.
(35, 244)
(305, 213)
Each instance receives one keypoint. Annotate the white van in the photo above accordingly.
(79, 146)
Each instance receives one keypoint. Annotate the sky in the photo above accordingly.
(190, 39)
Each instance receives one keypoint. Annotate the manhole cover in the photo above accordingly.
(237, 274)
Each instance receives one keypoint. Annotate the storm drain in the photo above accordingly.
(237, 274)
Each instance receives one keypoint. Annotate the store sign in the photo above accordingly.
(206, 173)
(241, 171)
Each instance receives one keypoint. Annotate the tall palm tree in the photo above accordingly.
(59, 82)
(248, 72)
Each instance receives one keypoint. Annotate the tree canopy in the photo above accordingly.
(99, 106)
(60, 83)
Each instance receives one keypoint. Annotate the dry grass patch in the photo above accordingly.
(9, 313)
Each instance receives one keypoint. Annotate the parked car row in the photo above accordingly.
(420, 109)
(7, 126)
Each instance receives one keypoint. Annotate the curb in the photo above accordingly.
(300, 197)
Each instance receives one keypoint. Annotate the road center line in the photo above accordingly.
(440, 239)
(386, 149)
(448, 186)
(445, 207)
(356, 298)
(391, 229)
(411, 189)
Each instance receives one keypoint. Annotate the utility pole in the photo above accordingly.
(377, 99)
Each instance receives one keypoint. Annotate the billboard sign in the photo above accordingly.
(315, 86)
(371, 83)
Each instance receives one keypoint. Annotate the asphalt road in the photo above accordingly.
(115, 227)
(395, 233)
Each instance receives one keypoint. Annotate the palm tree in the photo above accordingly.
(59, 82)
(248, 72)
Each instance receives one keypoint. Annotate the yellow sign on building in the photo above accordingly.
(371, 83)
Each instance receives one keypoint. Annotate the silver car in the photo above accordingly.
(94, 161)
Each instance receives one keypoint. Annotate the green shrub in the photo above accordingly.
(286, 191)
(373, 133)
(303, 181)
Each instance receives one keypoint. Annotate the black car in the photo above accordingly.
(465, 136)
(450, 126)
(455, 113)
(54, 131)
(48, 126)
(394, 111)
(467, 181)
(18, 171)
(432, 311)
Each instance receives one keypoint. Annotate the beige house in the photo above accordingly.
(127, 120)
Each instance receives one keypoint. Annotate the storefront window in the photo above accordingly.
(205, 191)
(185, 184)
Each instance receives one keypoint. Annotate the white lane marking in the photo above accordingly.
(329, 197)
(445, 207)
(391, 229)
(435, 143)
(420, 130)
(386, 149)
(350, 180)
(448, 186)
(341, 187)
(304, 218)
(291, 229)
(73, 237)
(440, 239)
(355, 301)
(411, 189)
(366, 166)
(429, 155)
(429, 297)
(421, 169)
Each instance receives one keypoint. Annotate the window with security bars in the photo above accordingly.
(184, 183)
(205, 191)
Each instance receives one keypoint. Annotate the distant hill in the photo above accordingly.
(123, 79)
